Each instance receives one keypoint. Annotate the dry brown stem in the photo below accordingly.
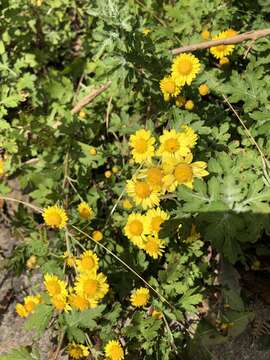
(90, 97)
(250, 35)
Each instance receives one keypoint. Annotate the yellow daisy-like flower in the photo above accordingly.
(154, 177)
(142, 144)
(142, 193)
(140, 297)
(153, 246)
(221, 51)
(169, 88)
(85, 211)
(155, 217)
(184, 170)
(77, 351)
(93, 151)
(31, 262)
(78, 302)
(157, 314)
(55, 216)
(205, 34)
(173, 144)
(114, 350)
(92, 286)
(185, 67)
(30, 302)
(55, 286)
(88, 262)
(60, 303)
(1, 167)
(180, 101)
(146, 31)
(97, 235)
(135, 229)
(224, 61)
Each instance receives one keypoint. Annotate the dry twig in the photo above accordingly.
(250, 35)
(90, 97)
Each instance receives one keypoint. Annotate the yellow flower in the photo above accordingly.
(185, 67)
(189, 105)
(30, 302)
(115, 169)
(1, 167)
(171, 145)
(154, 218)
(221, 51)
(93, 287)
(60, 303)
(142, 144)
(88, 262)
(224, 61)
(31, 262)
(146, 31)
(85, 210)
(205, 34)
(135, 229)
(169, 88)
(55, 286)
(127, 204)
(184, 171)
(69, 259)
(82, 114)
(153, 246)
(142, 193)
(108, 174)
(157, 314)
(154, 177)
(180, 101)
(77, 351)
(140, 297)
(93, 151)
(97, 235)
(203, 89)
(114, 350)
(55, 216)
(78, 302)
(194, 235)
(21, 311)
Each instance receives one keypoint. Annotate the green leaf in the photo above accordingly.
(40, 319)
(21, 353)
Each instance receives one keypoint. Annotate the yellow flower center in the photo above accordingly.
(221, 48)
(184, 67)
(54, 219)
(85, 212)
(171, 145)
(136, 227)
(59, 303)
(142, 189)
(53, 287)
(183, 173)
(29, 306)
(90, 287)
(152, 246)
(88, 262)
(116, 352)
(141, 145)
(169, 86)
(154, 176)
(79, 302)
(156, 222)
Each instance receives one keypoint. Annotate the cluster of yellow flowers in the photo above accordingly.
(113, 350)
(28, 306)
(164, 168)
(185, 68)
(89, 289)
(221, 52)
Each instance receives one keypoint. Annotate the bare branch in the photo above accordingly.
(90, 97)
(250, 35)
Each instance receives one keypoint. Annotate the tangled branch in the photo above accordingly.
(250, 35)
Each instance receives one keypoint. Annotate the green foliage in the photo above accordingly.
(52, 54)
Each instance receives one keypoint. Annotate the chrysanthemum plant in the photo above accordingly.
(129, 198)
